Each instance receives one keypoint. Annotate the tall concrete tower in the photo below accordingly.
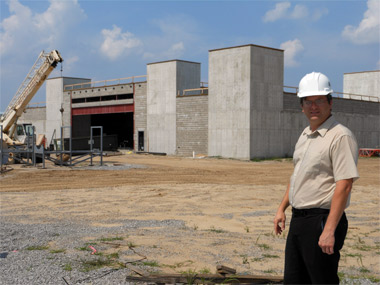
(245, 101)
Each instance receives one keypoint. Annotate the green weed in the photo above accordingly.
(364, 270)
(114, 255)
(179, 264)
(37, 247)
(151, 263)
(205, 271)
(89, 265)
(111, 239)
(190, 276)
(245, 258)
(270, 256)
(264, 246)
(86, 246)
(67, 267)
(131, 245)
(353, 255)
(57, 250)
(213, 229)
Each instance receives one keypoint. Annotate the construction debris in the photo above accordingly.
(225, 270)
(224, 276)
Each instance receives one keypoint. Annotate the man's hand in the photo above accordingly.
(279, 222)
(326, 242)
(338, 203)
(280, 218)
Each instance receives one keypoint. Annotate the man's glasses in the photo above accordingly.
(317, 102)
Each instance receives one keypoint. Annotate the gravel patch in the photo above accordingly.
(58, 253)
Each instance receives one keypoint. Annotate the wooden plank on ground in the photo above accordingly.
(225, 270)
(137, 270)
(207, 278)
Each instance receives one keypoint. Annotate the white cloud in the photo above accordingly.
(69, 63)
(178, 47)
(368, 30)
(148, 55)
(319, 13)
(300, 11)
(117, 44)
(284, 10)
(175, 51)
(68, 66)
(23, 28)
(175, 34)
(277, 13)
(291, 50)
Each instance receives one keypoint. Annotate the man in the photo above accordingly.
(325, 160)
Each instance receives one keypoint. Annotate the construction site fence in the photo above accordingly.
(28, 154)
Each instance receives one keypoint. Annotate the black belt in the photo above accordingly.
(308, 212)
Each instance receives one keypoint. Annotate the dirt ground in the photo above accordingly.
(227, 207)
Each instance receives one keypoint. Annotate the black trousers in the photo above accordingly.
(305, 263)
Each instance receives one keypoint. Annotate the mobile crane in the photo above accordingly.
(40, 71)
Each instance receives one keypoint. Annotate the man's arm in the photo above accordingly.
(280, 218)
(338, 204)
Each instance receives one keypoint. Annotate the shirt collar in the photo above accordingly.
(322, 129)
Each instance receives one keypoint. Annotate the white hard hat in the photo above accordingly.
(313, 84)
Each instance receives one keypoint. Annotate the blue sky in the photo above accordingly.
(115, 39)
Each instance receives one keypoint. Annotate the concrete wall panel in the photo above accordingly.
(362, 83)
(229, 97)
(140, 113)
(192, 125)
(55, 100)
(165, 80)
(35, 116)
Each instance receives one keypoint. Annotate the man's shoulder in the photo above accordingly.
(340, 129)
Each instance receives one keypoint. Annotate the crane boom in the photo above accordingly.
(41, 69)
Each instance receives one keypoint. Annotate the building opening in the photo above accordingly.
(117, 129)
(141, 141)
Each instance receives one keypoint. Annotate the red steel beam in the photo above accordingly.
(367, 152)
(127, 108)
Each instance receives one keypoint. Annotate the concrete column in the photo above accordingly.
(165, 80)
(245, 84)
(229, 102)
(55, 100)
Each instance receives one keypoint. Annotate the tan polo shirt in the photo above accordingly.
(321, 158)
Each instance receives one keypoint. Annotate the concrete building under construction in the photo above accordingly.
(244, 112)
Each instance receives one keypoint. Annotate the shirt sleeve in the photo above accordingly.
(344, 157)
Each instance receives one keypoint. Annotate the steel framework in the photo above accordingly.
(368, 152)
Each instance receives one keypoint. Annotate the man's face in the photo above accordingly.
(317, 109)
